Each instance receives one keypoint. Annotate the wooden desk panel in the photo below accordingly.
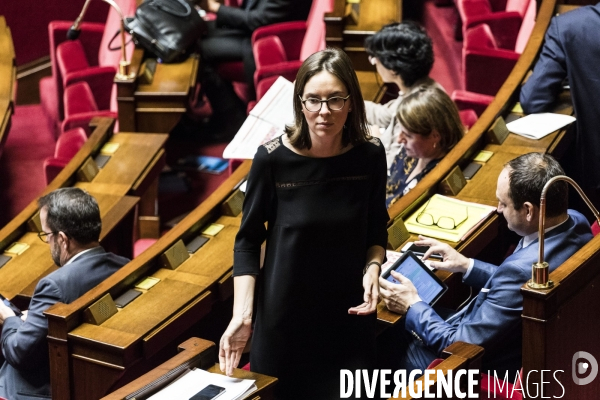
(131, 159)
(8, 77)
(153, 307)
(158, 105)
(193, 353)
(29, 266)
(215, 258)
(342, 31)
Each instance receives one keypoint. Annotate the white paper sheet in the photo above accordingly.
(197, 379)
(266, 121)
(536, 126)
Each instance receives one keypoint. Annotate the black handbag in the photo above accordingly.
(167, 28)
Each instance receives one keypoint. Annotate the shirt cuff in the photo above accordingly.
(471, 264)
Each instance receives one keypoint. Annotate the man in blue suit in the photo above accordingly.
(572, 50)
(71, 226)
(493, 318)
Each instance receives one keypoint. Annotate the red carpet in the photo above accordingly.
(22, 179)
(439, 23)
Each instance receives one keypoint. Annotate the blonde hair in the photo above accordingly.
(428, 109)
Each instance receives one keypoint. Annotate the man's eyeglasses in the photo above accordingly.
(426, 217)
(44, 236)
(333, 103)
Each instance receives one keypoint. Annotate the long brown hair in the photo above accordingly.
(429, 108)
(337, 63)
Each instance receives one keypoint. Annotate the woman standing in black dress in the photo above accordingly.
(321, 189)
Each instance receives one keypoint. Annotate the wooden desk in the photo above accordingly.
(158, 105)
(134, 169)
(344, 32)
(559, 322)
(8, 77)
(193, 353)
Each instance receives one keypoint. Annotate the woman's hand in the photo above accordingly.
(371, 297)
(232, 344)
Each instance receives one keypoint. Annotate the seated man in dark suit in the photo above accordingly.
(572, 50)
(493, 318)
(228, 39)
(71, 226)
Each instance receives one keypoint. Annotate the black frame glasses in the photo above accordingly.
(324, 101)
(44, 236)
(443, 222)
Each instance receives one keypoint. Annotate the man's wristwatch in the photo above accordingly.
(371, 263)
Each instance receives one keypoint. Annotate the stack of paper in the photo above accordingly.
(465, 214)
(195, 380)
(266, 121)
(536, 126)
(392, 256)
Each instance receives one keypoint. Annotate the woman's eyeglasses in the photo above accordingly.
(333, 103)
(425, 217)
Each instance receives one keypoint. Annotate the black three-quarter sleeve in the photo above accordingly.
(378, 215)
(252, 233)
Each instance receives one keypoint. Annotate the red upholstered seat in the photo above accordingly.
(595, 228)
(92, 50)
(486, 63)
(74, 68)
(81, 107)
(67, 145)
(280, 49)
(233, 71)
(468, 117)
(503, 16)
(466, 100)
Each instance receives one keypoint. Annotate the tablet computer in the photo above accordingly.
(10, 305)
(429, 286)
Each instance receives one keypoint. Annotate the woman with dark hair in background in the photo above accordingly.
(403, 54)
(321, 189)
(430, 127)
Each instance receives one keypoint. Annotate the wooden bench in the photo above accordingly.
(88, 360)
(193, 353)
(155, 105)
(8, 77)
(129, 172)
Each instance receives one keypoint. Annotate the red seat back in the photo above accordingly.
(69, 143)
(79, 99)
(314, 39)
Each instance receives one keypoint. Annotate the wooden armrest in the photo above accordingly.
(193, 353)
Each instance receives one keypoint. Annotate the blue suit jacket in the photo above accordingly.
(572, 49)
(25, 373)
(493, 319)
